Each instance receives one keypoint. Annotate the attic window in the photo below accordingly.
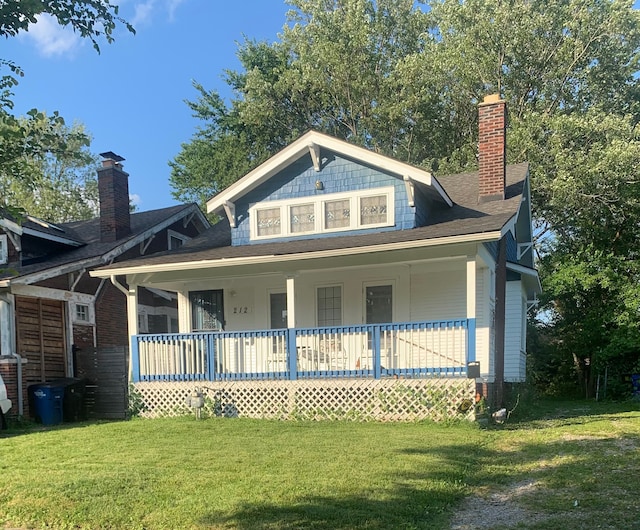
(268, 222)
(4, 250)
(176, 240)
(335, 212)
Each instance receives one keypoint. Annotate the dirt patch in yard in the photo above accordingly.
(498, 509)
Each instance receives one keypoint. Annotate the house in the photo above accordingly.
(343, 283)
(52, 311)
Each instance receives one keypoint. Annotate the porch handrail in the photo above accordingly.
(408, 349)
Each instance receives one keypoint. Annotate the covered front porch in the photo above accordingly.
(406, 313)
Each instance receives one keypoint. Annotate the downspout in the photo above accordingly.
(118, 285)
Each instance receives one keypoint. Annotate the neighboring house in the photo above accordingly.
(50, 308)
(335, 269)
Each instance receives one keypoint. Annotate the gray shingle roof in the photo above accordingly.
(464, 218)
(88, 232)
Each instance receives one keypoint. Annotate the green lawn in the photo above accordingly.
(572, 465)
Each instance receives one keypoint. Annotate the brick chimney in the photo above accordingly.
(113, 190)
(492, 148)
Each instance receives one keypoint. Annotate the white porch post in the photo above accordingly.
(184, 312)
(132, 317)
(471, 308)
(291, 302)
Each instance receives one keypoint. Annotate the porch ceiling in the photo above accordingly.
(170, 279)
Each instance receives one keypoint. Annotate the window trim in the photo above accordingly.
(177, 235)
(354, 197)
(90, 320)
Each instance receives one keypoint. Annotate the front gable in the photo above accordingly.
(299, 201)
(323, 187)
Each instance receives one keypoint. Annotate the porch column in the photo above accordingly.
(291, 301)
(471, 308)
(132, 317)
(291, 324)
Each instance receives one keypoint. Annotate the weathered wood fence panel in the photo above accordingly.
(106, 372)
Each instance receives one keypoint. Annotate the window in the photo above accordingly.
(337, 214)
(302, 218)
(330, 306)
(373, 210)
(4, 250)
(143, 322)
(82, 313)
(325, 213)
(176, 239)
(207, 312)
(268, 222)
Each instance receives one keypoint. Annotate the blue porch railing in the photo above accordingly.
(409, 349)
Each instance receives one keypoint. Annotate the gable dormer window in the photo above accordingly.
(335, 212)
(268, 222)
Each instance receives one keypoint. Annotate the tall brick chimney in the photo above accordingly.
(492, 148)
(113, 190)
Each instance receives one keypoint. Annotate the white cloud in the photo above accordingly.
(135, 199)
(142, 13)
(145, 11)
(172, 6)
(51, 38)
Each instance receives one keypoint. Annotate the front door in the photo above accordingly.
(278, 308)
(379, 304)
(207, 310)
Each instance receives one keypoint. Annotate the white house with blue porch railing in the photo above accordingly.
(337, 276)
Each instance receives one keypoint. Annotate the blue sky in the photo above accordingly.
(131, 96)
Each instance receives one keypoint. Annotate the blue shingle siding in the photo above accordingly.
(338, 175)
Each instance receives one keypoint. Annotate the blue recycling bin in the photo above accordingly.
(47, 402)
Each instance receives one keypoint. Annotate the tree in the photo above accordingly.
(56, 188)
(39, 137)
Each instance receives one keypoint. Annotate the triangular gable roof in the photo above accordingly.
(313, 142)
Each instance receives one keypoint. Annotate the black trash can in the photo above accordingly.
(46, 400)
(73, 408)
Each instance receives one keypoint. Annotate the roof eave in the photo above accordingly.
(483, 237)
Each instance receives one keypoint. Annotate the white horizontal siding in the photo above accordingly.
(438, 295)
(514, 356)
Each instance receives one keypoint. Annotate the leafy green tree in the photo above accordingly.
(58, 188)
(37, 136)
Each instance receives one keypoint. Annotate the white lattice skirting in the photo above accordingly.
(435, 399)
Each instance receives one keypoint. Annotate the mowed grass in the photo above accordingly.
(580, 462)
